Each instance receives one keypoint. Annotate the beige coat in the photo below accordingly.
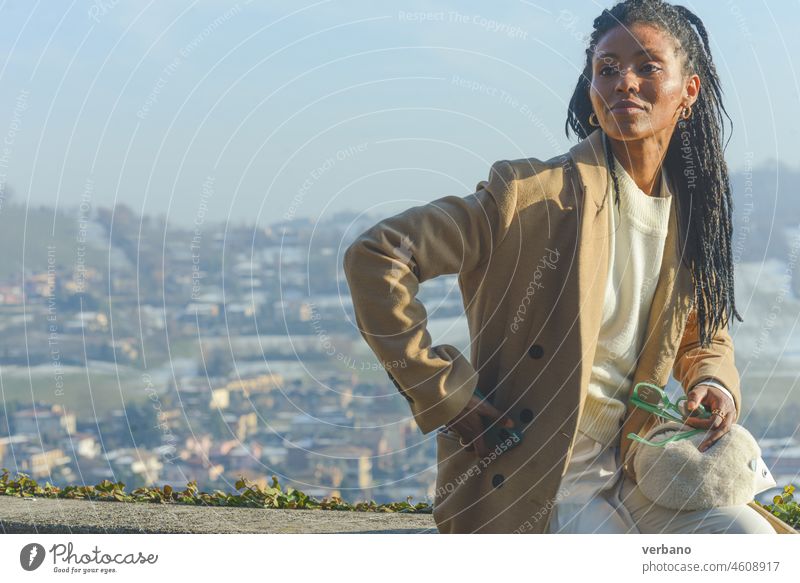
(530, 248)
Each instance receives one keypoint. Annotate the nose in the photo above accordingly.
(628, 81)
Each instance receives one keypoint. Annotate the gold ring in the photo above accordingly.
(461, 442)
(718, 412)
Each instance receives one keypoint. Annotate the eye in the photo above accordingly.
(653, 68)
(607, 70)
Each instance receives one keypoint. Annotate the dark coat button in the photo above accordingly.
(536, 351)
(497, 480)
(526, 416)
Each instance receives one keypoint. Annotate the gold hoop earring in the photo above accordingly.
(684, 114)
(596, 123)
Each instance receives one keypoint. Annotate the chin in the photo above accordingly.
(624, 133)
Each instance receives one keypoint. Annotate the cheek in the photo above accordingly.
(666, 95)
(598, 96)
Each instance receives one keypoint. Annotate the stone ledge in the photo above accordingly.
(51, 515)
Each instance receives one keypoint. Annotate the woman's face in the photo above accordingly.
(639, 63)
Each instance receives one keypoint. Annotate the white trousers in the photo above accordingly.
(596, 497)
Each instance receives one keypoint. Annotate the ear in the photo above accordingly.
(691, 90)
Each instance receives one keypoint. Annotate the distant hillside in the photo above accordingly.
(766, 202)
(768, 205)
(31, 230)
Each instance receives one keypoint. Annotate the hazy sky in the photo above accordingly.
(266, 110)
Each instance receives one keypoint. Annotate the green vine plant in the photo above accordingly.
(251, 495)
(248, 495)
(785, 507)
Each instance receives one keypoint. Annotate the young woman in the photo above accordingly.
(582, 275)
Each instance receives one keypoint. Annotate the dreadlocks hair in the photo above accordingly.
(694, 160)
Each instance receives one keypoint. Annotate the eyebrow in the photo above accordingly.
(651, 52)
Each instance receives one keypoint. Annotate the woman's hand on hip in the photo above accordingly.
(469, 426)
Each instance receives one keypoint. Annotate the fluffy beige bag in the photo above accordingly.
(680, 477)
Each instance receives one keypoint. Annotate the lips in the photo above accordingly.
(627, 105)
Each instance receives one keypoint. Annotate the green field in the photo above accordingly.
(86, 396)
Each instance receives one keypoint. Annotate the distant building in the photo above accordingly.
(353, 462)
(85, 445)
(10, 449)
(43, 463)
(51, 424)
(220, 398)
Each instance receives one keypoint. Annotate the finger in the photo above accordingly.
(714, 422)
(712, 437)
(715, 401)
(723, 402)
(486, 408)
(695, 397)
(480, 447)
(717, 419)
(699, 423)
(469, 429)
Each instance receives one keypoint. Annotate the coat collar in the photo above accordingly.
(588, 156)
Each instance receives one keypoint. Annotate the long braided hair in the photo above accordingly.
(694, 161)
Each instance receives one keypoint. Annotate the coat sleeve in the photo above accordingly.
(693, 363)
(384, 267)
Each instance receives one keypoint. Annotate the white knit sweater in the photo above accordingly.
(638, 231)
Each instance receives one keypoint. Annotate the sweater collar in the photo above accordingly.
(628, 181)
(589, 158)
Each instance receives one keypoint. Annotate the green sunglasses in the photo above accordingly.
(653, 399)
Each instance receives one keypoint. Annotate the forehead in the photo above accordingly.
(634, 41)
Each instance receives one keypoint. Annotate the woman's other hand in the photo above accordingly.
(711, 398)
(468, 425)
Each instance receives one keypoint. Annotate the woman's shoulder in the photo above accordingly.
(538, 168)
(532, 179)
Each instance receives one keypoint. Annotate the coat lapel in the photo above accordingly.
(590, 187)
(671, 300)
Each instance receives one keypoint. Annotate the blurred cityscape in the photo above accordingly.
(140, 352)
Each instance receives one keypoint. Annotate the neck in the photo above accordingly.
(642, 160)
